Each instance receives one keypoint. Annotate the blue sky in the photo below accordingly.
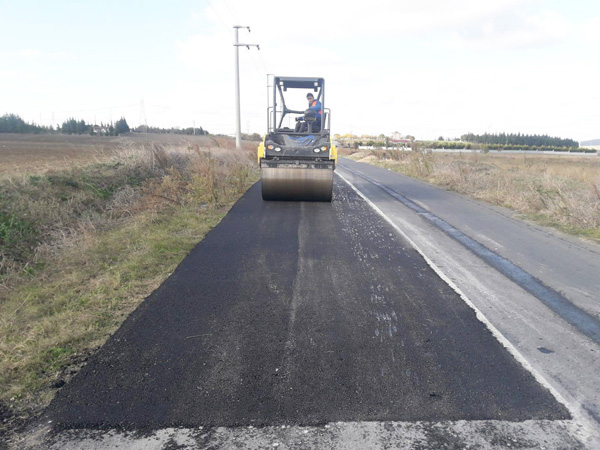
(426, 68)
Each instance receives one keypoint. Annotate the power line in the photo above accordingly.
(227, 27)
(263, 63)
(143, 114)
(233, 15)
(230, 10)
(95, 109)
(255, 65)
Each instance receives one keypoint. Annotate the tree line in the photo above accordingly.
(72, 126)
(456, 145)
(12, 123)
(511, 139)
(190, 130)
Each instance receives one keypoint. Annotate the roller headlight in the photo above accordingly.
(277, 149)
(317, 150)
(324, 149)
(269, 147)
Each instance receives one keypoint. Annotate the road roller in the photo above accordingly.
(296, 157)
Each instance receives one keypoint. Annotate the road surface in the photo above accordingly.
(361, 323)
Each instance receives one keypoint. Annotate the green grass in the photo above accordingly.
(65, 303)
(73, 307)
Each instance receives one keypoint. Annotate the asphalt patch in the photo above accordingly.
(300, 313)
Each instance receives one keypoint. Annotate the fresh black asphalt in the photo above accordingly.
(300, 313)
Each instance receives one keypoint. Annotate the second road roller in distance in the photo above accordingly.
(297, 163)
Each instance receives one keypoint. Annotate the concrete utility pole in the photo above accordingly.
(237, 45)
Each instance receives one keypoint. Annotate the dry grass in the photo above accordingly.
(35, 154)
(558, 191)
(99, 239)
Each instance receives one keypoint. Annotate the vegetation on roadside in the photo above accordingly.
(469, 141)
(554, 191)
(461, 145)
(81, 248)
(520, 140)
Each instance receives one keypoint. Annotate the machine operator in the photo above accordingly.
(315, 105)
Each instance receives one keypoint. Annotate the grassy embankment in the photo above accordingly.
(558, 191)
(81, 248)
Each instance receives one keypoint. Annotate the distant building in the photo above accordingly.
(100, 130)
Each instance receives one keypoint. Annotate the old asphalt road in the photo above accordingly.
(325, 325)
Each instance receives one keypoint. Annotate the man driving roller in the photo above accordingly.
(314, 105)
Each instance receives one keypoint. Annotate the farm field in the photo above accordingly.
(31, 153)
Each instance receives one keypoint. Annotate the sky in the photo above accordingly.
(426, 68)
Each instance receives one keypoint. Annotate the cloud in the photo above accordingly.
(28, 53)
(337, 20)
(493, 24)
(369, 87)
(515, 30)
(591, 30)
(8, 75)
(33, 54)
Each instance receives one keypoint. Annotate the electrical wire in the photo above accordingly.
(94, 109)
(256, 65)
(233, 15)
(219, 17)
(263, 62)
(231, 11)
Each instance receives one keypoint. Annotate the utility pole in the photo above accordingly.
(143, 116)
(237, 45)
(269, 97)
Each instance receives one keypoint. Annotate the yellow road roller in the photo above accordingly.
(296, 157)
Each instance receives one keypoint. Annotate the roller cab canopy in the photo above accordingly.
(294, 90)
(300, 83)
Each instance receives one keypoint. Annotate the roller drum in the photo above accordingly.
(297, 183)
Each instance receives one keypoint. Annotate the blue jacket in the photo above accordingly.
(316, 106)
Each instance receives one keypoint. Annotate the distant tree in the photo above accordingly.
(80, 127)
(519, 140)
(149, 129)
(69, 126)
(121, 126)
(441, 138)
(11, 123)
(252, 137)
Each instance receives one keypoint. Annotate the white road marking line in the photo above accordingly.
(585, 433)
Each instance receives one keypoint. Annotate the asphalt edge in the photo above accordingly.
(584, 435)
